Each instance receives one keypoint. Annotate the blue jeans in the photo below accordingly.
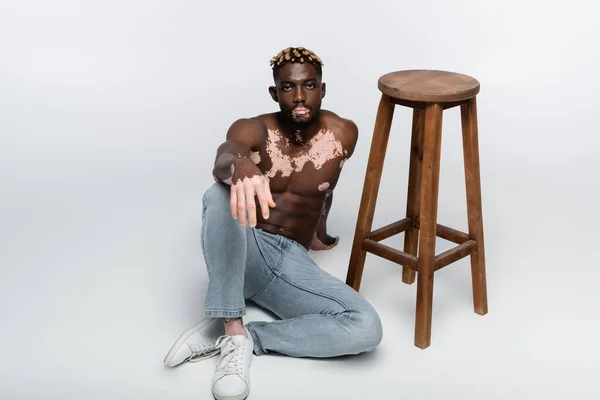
(320, 315)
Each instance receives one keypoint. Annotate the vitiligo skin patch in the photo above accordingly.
(255, 157)
(323, 186)
(321, 148)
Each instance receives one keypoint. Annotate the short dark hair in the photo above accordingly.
(295, 55)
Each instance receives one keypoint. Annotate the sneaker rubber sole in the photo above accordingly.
(184, 336)
(240, 397)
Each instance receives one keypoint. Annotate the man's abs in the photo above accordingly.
(295, 217)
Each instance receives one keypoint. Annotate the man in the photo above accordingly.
(274, 177)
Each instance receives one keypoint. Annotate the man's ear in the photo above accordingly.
(273, 92)
(323, 89)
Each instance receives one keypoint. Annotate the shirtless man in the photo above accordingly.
(274, 176)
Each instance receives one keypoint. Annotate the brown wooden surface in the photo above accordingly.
(428, 223)
(447, 106)
(413, 198)
(450, 234)
(428, 93)
(389, 253)
(428, 86)
(447, 233)
(455, 254)
(391, 230)
(415, 105)
(473, 186)
(364, 222)
(420, 105)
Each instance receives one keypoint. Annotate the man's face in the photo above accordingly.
(299, 91)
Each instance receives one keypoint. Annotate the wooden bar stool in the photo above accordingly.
(428, 93)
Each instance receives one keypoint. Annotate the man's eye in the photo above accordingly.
(310, 85)
(286, 88)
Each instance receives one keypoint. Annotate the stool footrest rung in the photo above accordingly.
(390, 230)
(408, 260)
(455, 254)
(447, 233)
(389, 253)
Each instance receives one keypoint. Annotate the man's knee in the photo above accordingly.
(216, 195)
(368, 331)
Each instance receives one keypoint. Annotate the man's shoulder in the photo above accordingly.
(267, 120)
(333, 121)
(245, 122)
(345, 129)
(252, 128)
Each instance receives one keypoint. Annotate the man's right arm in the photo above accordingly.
(243, 136)
(234, 167)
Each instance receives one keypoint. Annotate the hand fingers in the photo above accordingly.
(249, 192)
(259, 189)
(242, 198)
(268, 193)
(233, 201)
(241, 204)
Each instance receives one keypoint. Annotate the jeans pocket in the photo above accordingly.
(272, 248)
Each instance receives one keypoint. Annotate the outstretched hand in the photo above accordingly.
(248, 182)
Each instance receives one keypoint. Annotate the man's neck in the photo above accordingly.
(299, 133)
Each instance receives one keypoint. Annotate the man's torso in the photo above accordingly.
(301, 173)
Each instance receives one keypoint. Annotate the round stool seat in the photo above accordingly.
(428, 86)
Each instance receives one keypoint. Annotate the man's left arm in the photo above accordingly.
(348, 138)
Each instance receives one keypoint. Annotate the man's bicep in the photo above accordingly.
(350, 137)
(243, 137)
(246, 132)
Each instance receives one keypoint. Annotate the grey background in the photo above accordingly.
(110, 115)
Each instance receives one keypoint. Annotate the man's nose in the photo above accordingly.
(299, 96)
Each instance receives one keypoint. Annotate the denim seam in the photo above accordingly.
(202, 235)
(265, 286)
(286, 244)
(290, 320)
(297, 286)
(284, 250)
(257, 345)
(273, 275)
(233, 313)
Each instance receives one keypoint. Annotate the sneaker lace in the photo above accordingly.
(232, 353)
(199, 350)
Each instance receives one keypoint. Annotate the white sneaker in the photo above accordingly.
(196, 343)
(232, 375)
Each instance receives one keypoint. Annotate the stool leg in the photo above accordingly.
(381, 133)
(413, 201)
(473, 186)
(428, 221)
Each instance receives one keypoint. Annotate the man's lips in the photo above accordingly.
(300, 112)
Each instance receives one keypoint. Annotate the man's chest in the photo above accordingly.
(309, 167)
